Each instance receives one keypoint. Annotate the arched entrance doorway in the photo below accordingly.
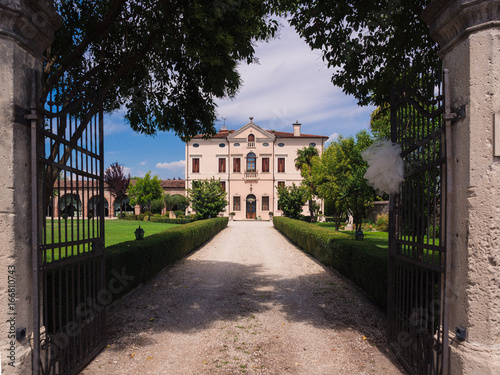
(251, 206)
(70, 205)
(94, 204)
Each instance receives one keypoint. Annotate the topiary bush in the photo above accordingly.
(362, 262)
(141, 260)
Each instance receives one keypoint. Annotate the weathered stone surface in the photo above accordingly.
(469, 35)
(26, 29)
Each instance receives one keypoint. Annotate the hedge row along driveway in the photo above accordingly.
(135, 262)
(361, 261)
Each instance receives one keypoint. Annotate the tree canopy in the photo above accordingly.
(207, 197)
(366, 42)
(163, 61)
(117, 182)
(339, 175)
(291, 199)
(145, 190)
(304, 161)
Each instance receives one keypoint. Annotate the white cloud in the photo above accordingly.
(143, 162)
(333, 137)
(127, 171)
(292, 83)
(173, 165)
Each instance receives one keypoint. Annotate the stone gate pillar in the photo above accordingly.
(26, 29)
(468, 33)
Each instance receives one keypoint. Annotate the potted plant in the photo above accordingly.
(231, 215)
(271, 215)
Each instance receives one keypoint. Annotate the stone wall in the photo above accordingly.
(26, 30)
(468, 33)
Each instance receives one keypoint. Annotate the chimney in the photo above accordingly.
(296, 129)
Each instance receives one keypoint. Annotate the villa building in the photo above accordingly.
(250, 163)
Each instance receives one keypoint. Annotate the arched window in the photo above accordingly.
(251, 162)
(251, 141)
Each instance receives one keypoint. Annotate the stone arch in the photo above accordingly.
(69, 205)
(94, 206)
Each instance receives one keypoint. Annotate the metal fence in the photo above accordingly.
(70, 295)
(417, 252)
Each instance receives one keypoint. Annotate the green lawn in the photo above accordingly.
(116, 231)
(379, 239)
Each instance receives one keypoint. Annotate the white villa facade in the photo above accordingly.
(250, 163)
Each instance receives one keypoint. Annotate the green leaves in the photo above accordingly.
(340, 180)
(207, 197)
(163, 61)
(291, 199)
(145, 190)
(366, 42)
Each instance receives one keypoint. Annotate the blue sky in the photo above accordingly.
(290, 83)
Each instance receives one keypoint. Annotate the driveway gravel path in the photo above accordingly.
(248, 301)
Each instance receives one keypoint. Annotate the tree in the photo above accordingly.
(173, 202)
(366, 42)
(162, 61)
(117, 182)
(340, 178)
(380, 123)
(207, 197)
(291, 199)
(144, 191)
(304, 162)
(331, 179)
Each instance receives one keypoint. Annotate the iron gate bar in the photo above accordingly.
(70, 249)
(417, 255)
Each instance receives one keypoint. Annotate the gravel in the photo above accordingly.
(248, 301)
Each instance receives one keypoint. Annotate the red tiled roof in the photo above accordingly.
(173, 184)
(278, 134)
(221, 134)
(86, 183)
(290, 135)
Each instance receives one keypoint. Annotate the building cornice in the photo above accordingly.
(451, 21)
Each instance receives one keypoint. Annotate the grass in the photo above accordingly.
(116, 231)
(379, 239)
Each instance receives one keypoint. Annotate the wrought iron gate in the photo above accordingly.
(418, 331)
(70, 295)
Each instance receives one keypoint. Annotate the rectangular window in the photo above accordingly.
(196, 165)
(223, 185)
(236, 165)
(265, 203)
(265, 164)
(236, 204)
(281, 165)
(222, 165)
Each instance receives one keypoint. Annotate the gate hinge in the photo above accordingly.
(456, 114)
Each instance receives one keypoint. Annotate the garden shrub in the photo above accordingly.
(145, 258)
(178, 213)
(361, 262)
(383, 222)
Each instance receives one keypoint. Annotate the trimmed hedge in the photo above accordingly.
(171, 221)
(141, 260)
(361, 262)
